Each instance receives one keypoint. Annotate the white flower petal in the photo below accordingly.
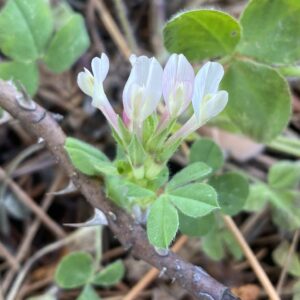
(214, 106)
(100, 67)
(178, 80)
(153, 90)
(185, 130)
(206, 82)
(85, 82)
(169, 76)
(132, 59)
(212, 74)
(145, 81)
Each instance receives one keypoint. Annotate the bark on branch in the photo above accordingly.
(132, 236)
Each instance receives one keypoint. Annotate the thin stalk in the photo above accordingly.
(286, 145)
(287, 262)
(98, 245)
(290, 71)
(122, 15)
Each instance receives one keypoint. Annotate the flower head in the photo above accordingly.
(143, 90)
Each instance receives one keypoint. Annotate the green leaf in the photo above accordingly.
(74, 270)
(232, 190)
(207, 151)
(280, 255)
(286, 208)
(219, 240)
(195, 200)
(212, 245)
(231, 244)
(85, 147)
(257, 92)
(110, 275)
(284, 175)
(257, 198)
(88, 159)
(202, 34)
(25, 28)
(88, 293)
(125, 193)
(26, 73)
(196, 226)
(269, 30)
(62, 12)
(162, 223)
(193, 172)
(67, 45)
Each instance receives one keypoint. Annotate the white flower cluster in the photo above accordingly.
(146, 85)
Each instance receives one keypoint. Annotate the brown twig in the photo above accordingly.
(33, 228)
(259, 271)
(8, 257)
(112, 28)
(130, 234)
(25, 199)
(152, 274)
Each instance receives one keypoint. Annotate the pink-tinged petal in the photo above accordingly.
(85, 82)
(186, 75)
(126, 119)
(178, 82)
(206, 82)
(169, 77)
(112, 117)
(100, 67)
